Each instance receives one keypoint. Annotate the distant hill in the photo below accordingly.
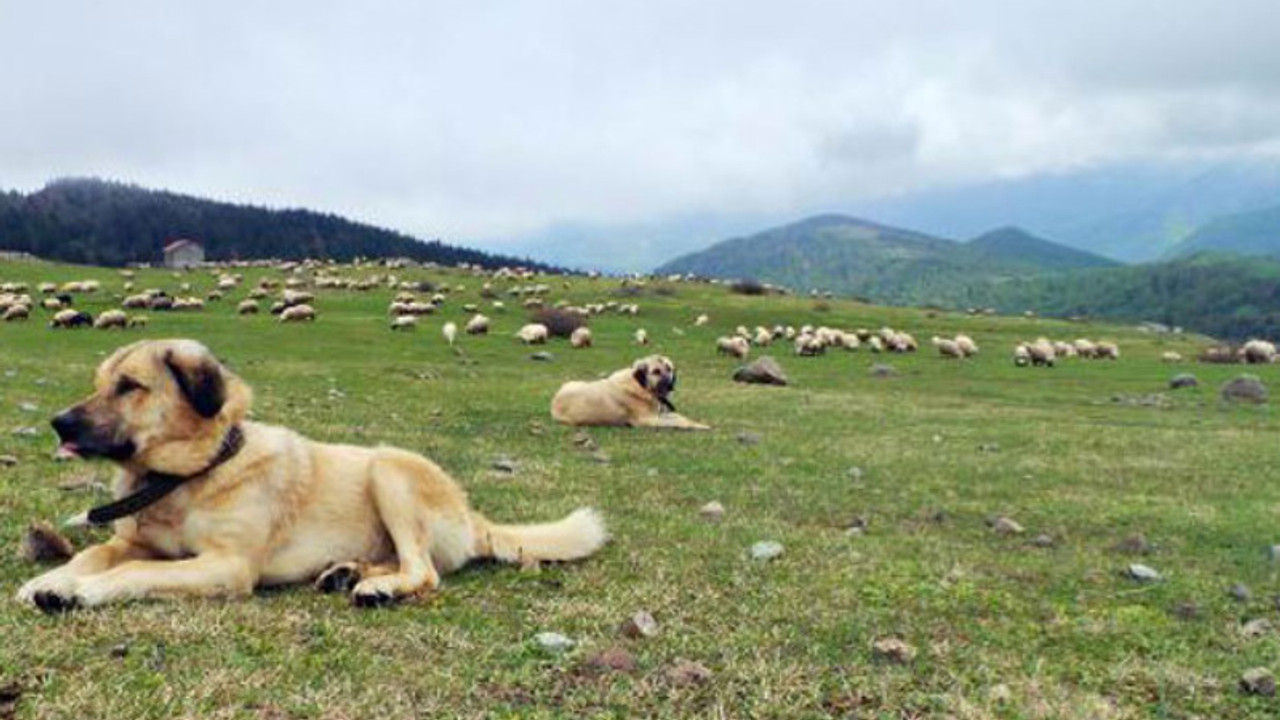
(108, 223)
(1249, 233)
(859, 257)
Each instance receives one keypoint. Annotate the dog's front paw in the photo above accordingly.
(52, 592)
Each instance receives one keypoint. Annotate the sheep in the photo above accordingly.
(247, 307)
(1065, 349)
(533, 334)
(48, 288)
(17, 312)
(1085, 348)
(1021, 355)
(477, 325)
(764, 338)
(733, 345)
(404, 322)
(70, 319)
(160, 302)
(742, 332)
(1042, 353)
(293, 298)
(110, 319)
(136, 301)
(450, 332)
(51, 304)
(1170, 356)
(874, 342)
(1107, 351)
(641, 337)
(1257, 352)
(966, 345)
(137, 321)
(948, 348)
(701, 320)
(581, 337)
(809, 345)
(298, 313)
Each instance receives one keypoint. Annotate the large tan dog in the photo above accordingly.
(636, 397)
(251, 504)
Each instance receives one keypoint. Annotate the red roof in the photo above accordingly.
(181, 244)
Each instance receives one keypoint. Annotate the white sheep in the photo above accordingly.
(450, 332)
(581, 337)
(533, 334)
(477, 325)
(733, 345)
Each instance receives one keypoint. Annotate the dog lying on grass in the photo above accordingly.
(212, 504)
(636, 397)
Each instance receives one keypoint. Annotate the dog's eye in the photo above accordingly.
(127, 385)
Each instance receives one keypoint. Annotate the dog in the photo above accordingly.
(633, 397)
(211, 504)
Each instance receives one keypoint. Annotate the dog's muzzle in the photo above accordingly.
(78, 437)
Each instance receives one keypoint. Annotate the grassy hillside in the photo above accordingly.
(1089, 454)
(108, 223)
(1251, 233)
(856, 257)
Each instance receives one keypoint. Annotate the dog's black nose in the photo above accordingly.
(68, 425)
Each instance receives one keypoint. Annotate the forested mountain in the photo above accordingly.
(107, 223)
(1250, 233)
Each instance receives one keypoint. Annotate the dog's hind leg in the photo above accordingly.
(396, 486)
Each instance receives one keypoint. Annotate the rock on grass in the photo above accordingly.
(1245, 389)
(712, 511)
(1142, 573)
(764, 371)
(1007, 526)
(1258, 681)
(43, 544)
(640, 625)
(553, 642)
(766, 550)
(612, 660)
(893, 650)
(687, 672)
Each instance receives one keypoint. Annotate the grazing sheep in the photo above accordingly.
(1085, 348)
(1257, 352)
(533, 334)
(48, 288)
(71, 319)
(764, 338)
(17, 312)
(1021, 355)
(160, 302)
(733, 345)
(293, 298)
(247, 307)
(136, 301)
(809, 345)
(875, 343)
(1065, 349)
(51, 304)
(1042, 353)
(298, 313)
(641, 337)
(110, 319)
(966, 345)
(404, 322)
(948, 348)
(450, 332)
(1170, 356)
(1106, 351)
(581, 337)
(137, 321)
(477, 325)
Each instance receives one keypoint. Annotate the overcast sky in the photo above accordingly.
(486, 122)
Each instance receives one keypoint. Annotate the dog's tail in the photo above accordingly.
(576, 536)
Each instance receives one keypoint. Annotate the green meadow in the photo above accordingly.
(1089, 454)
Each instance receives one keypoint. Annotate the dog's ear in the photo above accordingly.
(199, 378)
(640, 371)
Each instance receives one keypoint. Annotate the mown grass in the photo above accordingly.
(1002, 628)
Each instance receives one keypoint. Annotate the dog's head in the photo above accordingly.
(655, 374)
(156, 404)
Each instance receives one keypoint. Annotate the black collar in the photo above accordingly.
(666, 403)
(154, 486)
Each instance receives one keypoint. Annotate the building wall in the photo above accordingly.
(184, 256)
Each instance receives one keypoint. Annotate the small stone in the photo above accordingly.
(120, 651)
(1240, 592)
(1186, 610)
(1007, 526)
(583, 440)
(938, 517)
(28, 407)
(1135, 544)
(1256, 628)
(858, 522)
(855, 473)
(989, 447)
(882, 371)
(542, 356)
(712, 511)
(1245, 389)
(687, 672)
(766, 550)
(43, 544)
(1258, 681)
(26, 431)
(1183, 380)
(640, 625)
(1042, 540)
(612, 660)
(893, 650)
(749, 438)
(601, 457)
(8, 460)
(504, 465)
(553, 642)
(764, 371)
(1142, 573)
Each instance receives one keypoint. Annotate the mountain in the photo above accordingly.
(863, 258)
(1251, 233)
(108, 223)
(1013, 245)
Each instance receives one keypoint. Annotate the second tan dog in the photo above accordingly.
(214, 505)
(633, 397)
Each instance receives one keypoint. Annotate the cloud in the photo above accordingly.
(492, 122)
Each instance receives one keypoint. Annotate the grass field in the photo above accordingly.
(1089, 453)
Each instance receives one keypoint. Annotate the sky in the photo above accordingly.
(487, 122)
